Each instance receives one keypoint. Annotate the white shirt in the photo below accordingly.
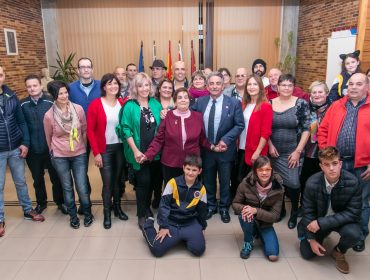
(329, 187)
(247, 116)
(218, 113)
(112, 121)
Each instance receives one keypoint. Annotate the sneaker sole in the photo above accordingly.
(30, 219)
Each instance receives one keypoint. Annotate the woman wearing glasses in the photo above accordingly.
(258, 203)
(290, 132)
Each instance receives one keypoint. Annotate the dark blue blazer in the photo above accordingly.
(231, 125)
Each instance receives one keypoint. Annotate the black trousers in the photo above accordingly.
(350, 234)
(37, 163)
(111, 174)
(310, 167)
(238, 171)
(170, 172)
(147, 179)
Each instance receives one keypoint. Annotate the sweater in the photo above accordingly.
(13, 127)
(129, 126)
(169, 139)
(268, 210)
(96, 125)
(345, 201)
(181, 205)
(331, 125)
(78, 96)
(58, 139)
(34, 115)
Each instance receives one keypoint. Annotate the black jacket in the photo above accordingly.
(181, 205)
(34, 115)
(13, 127)
(346, 203)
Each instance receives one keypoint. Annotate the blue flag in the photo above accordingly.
(141, 59)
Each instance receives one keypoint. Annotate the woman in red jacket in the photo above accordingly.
(258, 122)
(102, 119)
(179, 134)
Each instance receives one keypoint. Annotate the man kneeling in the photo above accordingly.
(182, 213)
(331, 202)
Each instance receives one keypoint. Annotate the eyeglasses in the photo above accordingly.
(286, 85)
(241, 76)
(267, 169)
(225, 74)
(85, 67)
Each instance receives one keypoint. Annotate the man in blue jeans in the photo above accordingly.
(182, 213)
(14, 142)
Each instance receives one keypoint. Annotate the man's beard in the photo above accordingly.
(259, 73)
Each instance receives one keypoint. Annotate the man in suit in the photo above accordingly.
(223, 121)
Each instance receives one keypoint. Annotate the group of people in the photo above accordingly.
(263, 138)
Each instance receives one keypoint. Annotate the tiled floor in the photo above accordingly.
(53, 250)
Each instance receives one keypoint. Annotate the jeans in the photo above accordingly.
(365, 185)
(209, 179)
(37, 164)
(192, 234)
(16, 165)
(65, 167)
(350, 234)
(268, 236)
(111, 174)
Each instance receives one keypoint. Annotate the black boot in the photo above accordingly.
(292, 222)
(118, 211)
(107, 223)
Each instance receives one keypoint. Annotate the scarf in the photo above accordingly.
(317, 113)
(68, 122)
(263, 191)
(195, 93)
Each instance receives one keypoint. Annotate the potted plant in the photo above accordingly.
(65, 71)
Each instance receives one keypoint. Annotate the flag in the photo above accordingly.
(154, 51)
(192, 61)
(181, 57)
(141, 59)
(169, 61)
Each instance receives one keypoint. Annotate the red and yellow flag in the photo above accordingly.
(169, 61)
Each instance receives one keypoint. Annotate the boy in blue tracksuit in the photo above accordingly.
(182, 213)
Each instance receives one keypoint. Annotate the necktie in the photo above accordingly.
(211, 123)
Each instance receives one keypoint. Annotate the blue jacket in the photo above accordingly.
(231, 125)
(78, 96)
(13, 127)
(34, 116)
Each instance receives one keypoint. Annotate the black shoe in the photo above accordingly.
(107, 223)
(63, 208)
(75, 222)
(210, 213)
(359, 247)
(40, 208)
(225, 216)
(292, 222)
(88, 220)
(118, 212)
(80, 211)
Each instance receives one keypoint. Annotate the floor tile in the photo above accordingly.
(94, 248)
(18, 248)
(359, 267)
(262, 269)
(178, 269)
(41, 270)
(62, 229)
(56, 248)
(87, 270)
(221, 246)
(133, 248)
(33, 229)
(216, 226)
(9, 269)
(221, 269)
(132, 269)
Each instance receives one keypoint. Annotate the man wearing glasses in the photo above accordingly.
(237, 91)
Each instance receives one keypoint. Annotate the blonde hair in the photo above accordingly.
(139, 80)
(318, 83)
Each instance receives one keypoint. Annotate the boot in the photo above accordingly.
(118, 211)
(107, 223)
(292, 222)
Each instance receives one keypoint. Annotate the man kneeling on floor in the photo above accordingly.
(182, 213)
(332, 202)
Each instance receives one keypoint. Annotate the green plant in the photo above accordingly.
(65, 71)
(288, 61)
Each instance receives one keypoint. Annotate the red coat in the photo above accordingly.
(330, 126)
(96, 125)
(260, 125)
(298, 92)
(169, 139)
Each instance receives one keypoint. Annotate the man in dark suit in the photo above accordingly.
(223, 121)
